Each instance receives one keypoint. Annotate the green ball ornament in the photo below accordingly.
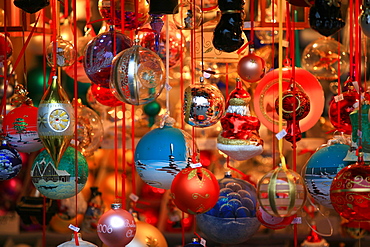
(152, 109)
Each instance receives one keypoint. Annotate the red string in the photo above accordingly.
(351, 69)
(116, 154)
(133, 168)
(252, 21)
(5, 65)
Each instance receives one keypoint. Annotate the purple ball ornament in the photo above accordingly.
(10, 162)
(99, 54)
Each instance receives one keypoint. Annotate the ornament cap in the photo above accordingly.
(116, 205)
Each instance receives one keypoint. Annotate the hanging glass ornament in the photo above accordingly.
(340, 110)
(162, 153)
(239, 137)
(302, 104)
(131, 19)
(251, 68)
(322, 58)
(99, 54)
(116, 227)
(76, 242)
(364, 18)
(281, 192)
(89, 130)
(187, 16)
(138, 75)
(233, 218)
(271, 221)
(56, 120)
(204, 104)
(325, 17)
(65, 53)
(20, 124)
(104, 95)
(6, 48)
(31, 6)
(59, 182)
(10, 162)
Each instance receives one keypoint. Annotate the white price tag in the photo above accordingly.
(134, 197)
(168, 86)
(285, 43)
(281, 134)
(196, 165)
(355, 105)
(297, 220)
(203, 242)
(338, 98)
(355, 84)
(74, 228)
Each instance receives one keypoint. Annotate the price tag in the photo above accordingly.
(355, 84)
(297, 220)
(281, 134)
(203, 241)
(134, 197)
(285, 43)
(355, 105)
(74, 228)
(196, 165)
(247, 24)
(338, 98)
(168, 86)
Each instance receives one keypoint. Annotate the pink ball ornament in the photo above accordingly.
(116, 227)
(251, 68)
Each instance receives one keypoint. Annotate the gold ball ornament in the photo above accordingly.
(281, 192)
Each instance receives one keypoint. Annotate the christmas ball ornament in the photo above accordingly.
(116, 227)
(162, 153)
(6, 47)
(89, 130)
(267, 91)
(281, 192)
(187, 16)
(76, 241)
(10, 162)
(31, 6)
(104, 95)
(325, 58)
(20, 127)
(349, 191)
(204, 105)
(239, 137)
(147, 235)
(290, 100)
(271, 221)
(59, 182)
(195, 190)
(138, 75)
(326, 17)
(251, 68)
(136, 13)
(364, 18)
(56, 120)
(321, 168)
(355, 229)
(340, 110)
(99, 54)
(64, 51)
(233, 218)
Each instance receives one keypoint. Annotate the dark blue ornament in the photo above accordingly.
(10, 162)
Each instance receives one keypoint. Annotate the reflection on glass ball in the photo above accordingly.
(321, 58)
(104, 96)
(187, 16)
(65, 53)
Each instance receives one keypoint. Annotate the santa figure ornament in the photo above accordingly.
(239, 138)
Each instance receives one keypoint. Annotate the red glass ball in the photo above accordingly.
(251, 68)
(195, 190)
(291, 99)
(104, 96)
(350, 192)
(273, 222)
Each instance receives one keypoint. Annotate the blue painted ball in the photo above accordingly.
(10, 162)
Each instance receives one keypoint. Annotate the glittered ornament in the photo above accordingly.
(239, 137)
(295, 106)
(59, 182)
(325, 58)
(135, 13)
(195, 190)
(138, 75)
(251, 67)
(325, 17)
(31, 6)
(104, 95)
(281, 192)
(99, 54)
(187, 16)
(204, 105)
(64, 50)
(10, 162)
(116, 227)
(6, 47)
(162, 153)
(233, 218)
(273, 222)
(56, 120)
(322, 167)
(76, 241)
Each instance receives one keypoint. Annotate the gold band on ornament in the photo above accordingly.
(239, 101)
(351, 190)
(227, 141)
(189, 98)
(271, 190)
